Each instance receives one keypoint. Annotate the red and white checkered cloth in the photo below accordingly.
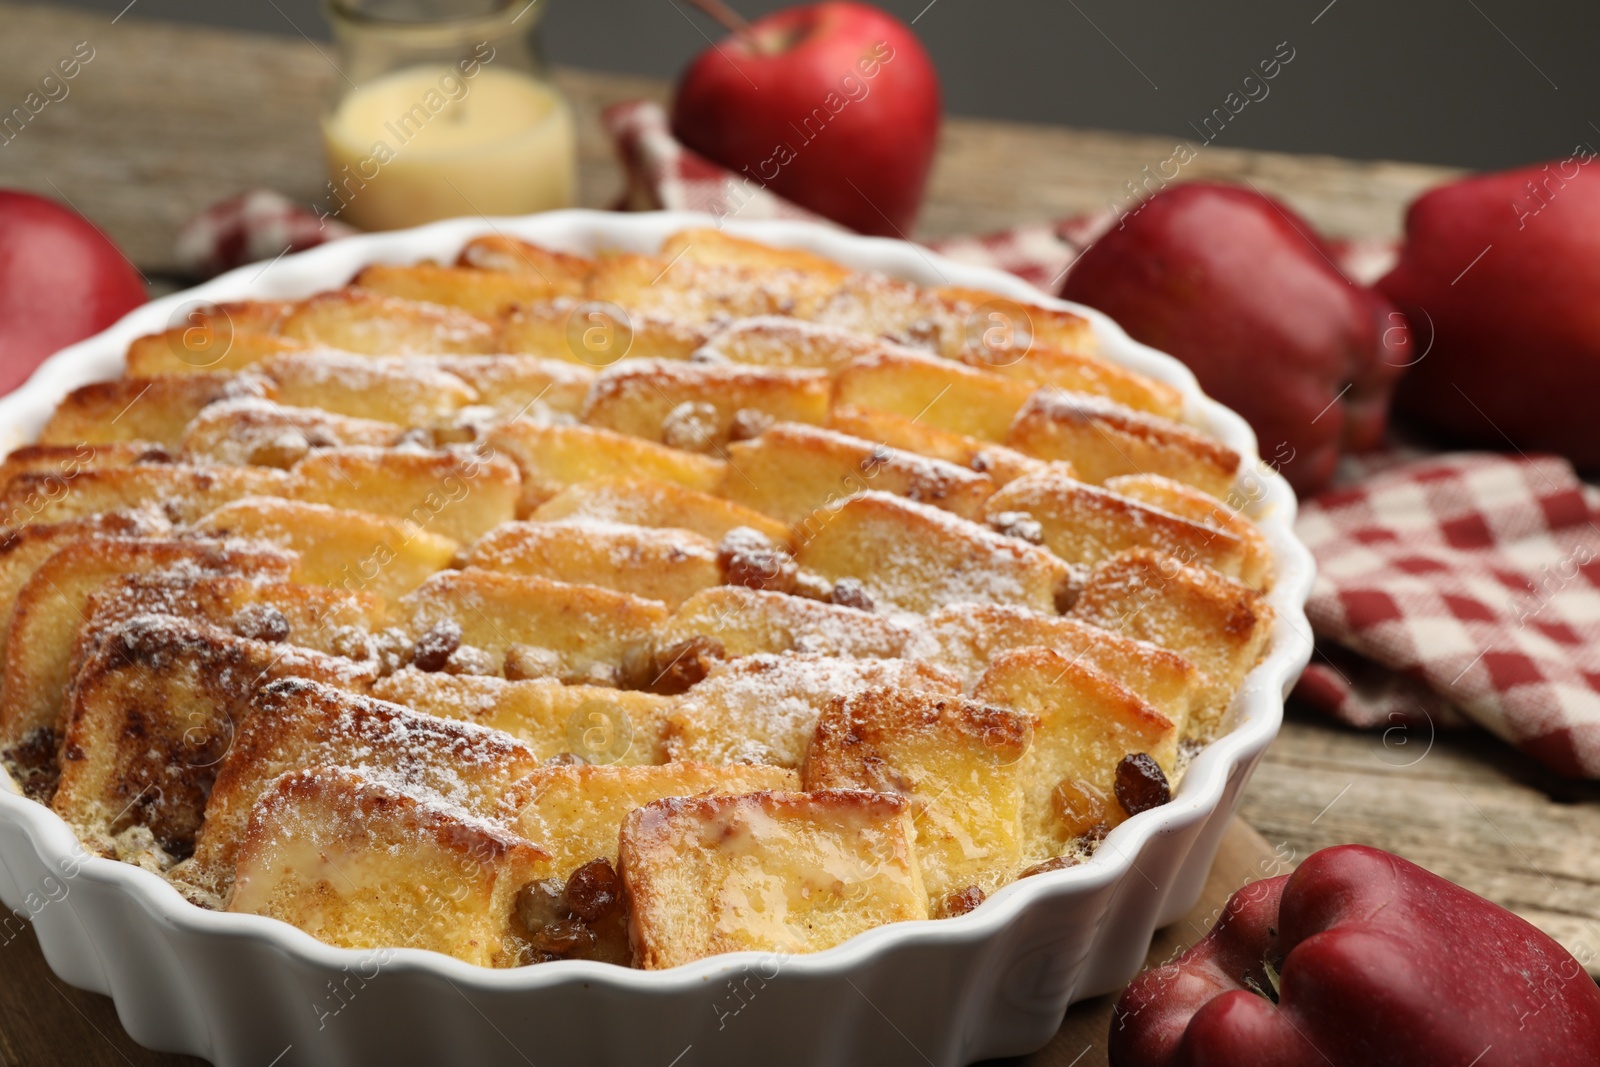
(1454, 588)
(1460, 584)
(248, 228)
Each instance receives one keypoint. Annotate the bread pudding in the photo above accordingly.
(627, 608)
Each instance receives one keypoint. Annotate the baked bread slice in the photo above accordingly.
(827, 865)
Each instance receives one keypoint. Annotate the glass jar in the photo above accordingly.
(443, 108)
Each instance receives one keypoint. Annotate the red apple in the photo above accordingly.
(61, 280)
(1246, 294)
(1504, 269)
(834, 106)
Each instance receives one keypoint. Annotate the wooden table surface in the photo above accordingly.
(164, 120)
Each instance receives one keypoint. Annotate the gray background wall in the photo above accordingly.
(1479, 83)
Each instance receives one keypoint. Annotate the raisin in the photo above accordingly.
(1141, 784)
(749, 559)
(1019, 524)
(562, 938)
(1059, 863)
(593, 891)
(960, 902)
(850, 593)
(470, 660)
(260, 622)
(432, 650)
(541, 903)
(685, 664)
(748, 423)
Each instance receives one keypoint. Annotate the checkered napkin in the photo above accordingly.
(1454, 588)
(1462, 583)
(248, 228)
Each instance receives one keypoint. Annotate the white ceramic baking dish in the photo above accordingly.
(250, 991)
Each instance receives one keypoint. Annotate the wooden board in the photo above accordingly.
(44, 1022)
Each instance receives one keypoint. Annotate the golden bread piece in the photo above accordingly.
(24, 547)
(955, 760)
(575, 813)
(560, 270)
(713, 247)
(209, 346)
(150, 718)
(998, 462)
(403, 390)
(573, 633)
(702, 406)
(1081, 374)
(898, 311)
(332, 621)
(459, 493)
(358, 864)
(660, 563)
(598, 334)
(966, 638)
(764, 708)
(49, 610)
(1031, 326)
(596, 724)
(62, 463)
(783, 342)
(649, 502)
(182, 493)
(553, 457)
(378, 325)
(1219, 624)
(1085, 524)
(351, 550)
(940, 392)
(910, 557)
(825, 867)
(293, 723)
(260, 433)
(745, 622)
(515, 387)
(153, 410)
(1255, 569)
(791, 470)
(1103, 440)
(486, 294)
(688, 290)
(1084, 723)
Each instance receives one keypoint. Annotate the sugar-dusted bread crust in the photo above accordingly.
(360, 864)
(295, 722)
(1219, 624)
(49, 610)
(1084, 723)
(957, 761)
(573, 633)
(598, 723)
(791, 470)
(699, 407)
(910, 557)
(1104, 440)
(827, 865)
(655, 562)
(150, 718)
(764, 708)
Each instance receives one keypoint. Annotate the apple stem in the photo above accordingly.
(730, 19)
